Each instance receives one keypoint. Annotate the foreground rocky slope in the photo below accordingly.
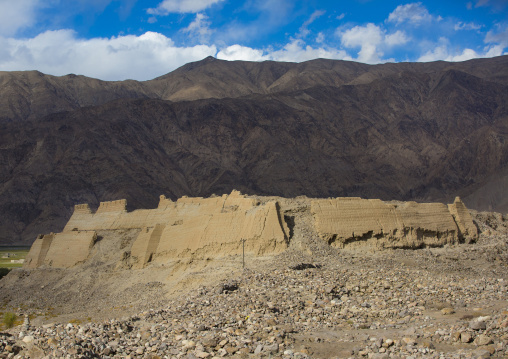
(425, 132)
(310, 301)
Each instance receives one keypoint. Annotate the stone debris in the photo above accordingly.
(311, 301)
(369, 306)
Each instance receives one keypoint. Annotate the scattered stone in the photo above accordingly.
(202, 355)
(477, 325)
(483, 339)
(466, 337)
(28, 339)
(481, 354)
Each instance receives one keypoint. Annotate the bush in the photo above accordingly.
(9, 319)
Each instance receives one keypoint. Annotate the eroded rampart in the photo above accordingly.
(351, 221)
(197, 227)
(236, 223)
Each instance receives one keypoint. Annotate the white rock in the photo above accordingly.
(28, 339)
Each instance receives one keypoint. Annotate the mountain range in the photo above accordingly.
(322, 128)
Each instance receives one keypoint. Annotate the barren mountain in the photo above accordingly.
(32, 95)
(408, 131)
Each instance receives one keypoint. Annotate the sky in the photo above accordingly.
(135, 39)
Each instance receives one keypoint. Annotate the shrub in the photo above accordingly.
(9, 319)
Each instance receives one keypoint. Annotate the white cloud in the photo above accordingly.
(359, 35)
(304, 31)
(372, 41)
(182, 6)
(496, 50)
(414, 13)
(498, 37)
(295, 51)
(199, 28)
(497, 41)
(467, 26)
(238, 52)
(397, 38)
(320, 38)
(341, 16)
(16, 15)
(467, 54)
(137, 57)
(442, 52)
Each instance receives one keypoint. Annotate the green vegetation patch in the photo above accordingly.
(10, 254)
(9, 319)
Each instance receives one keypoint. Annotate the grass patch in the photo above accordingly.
(8, 254)
(9, 319)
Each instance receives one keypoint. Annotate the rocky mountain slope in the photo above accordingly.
(32, 95)
(408, 131)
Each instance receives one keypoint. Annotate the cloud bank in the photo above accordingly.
(16, 15)
(60, 52)
(408, 29)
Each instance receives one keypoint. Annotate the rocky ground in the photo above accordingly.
(309, 302)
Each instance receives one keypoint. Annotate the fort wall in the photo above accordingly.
(70, 248)
(197, 227)
(145, 246)
(38, 251)
(61, 250)
(234, 223)
(467, 229)
(357, 222)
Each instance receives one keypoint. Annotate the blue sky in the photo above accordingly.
(122, 39)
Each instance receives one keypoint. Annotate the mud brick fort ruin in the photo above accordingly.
(217, 226)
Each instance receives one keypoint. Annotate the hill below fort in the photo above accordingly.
(257, 277)
(323, 128)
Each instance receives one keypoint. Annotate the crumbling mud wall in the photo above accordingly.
(61, 250)
(356, 222)
(467, 229)
(189, 227)
(214, 227)
(38, 251)
(204, 229)
(145, 246)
